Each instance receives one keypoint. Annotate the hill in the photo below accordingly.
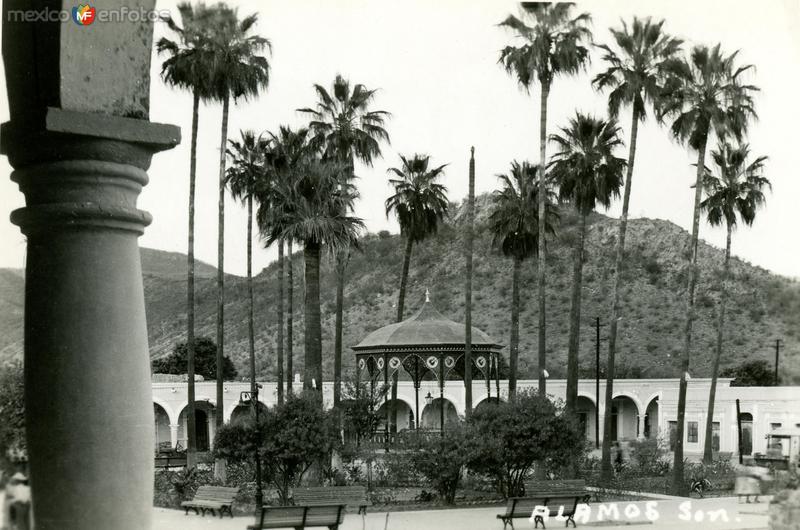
(762, 306)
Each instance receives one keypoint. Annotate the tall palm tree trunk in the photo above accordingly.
(605, 467)
(219, 414)
(708, 450)
(279, 360)
(514, 342)
(313, 326)
(540, 273)
(575, 317)
(678, 485)
(468, 288)
(401, 299)
(191, 444)
(341, 266)
(251, 316)
(289, 317)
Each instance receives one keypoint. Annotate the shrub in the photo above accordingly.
(506, 439)
(441, 459)
(12, 412)
(293, 437)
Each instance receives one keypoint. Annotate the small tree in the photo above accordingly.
(293, 437)
(441, 460)
(506, 439)
(12, 412)
(752, 373)
(205, 351)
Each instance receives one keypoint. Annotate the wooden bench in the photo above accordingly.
(523, 508)
(549, 488)
(212, 499)
(354, 497)
(297, 517)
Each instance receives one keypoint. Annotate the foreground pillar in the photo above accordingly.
(80, 142)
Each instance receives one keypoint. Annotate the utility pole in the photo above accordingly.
(777, 353)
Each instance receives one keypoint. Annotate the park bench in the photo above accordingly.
(297, 517)
(549, 488)
(523, 508)
(354, 497)
(212, 499)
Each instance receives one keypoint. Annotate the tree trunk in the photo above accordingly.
(678, 486)
(401, 298)
(575, 317)
(279, 360)
(219, 414)
(251, 316)
(542, 261)
(191, 444)
(341, 266)
(313, 325)
(605, 466)
(468, 244)
(708, 451)
(514, 342)
(289, 318)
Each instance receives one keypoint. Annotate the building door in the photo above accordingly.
(201, 429)
(747, 433)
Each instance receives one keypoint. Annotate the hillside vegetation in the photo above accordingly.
(762, 306)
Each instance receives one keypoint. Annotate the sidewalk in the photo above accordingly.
(671, 514)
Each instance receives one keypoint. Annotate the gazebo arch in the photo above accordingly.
(424, 346)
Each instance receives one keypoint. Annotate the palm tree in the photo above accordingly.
(553, 44)
(238, 72)
(514, 224)
(309, 211)
(736, 191)
(420, 204)
(704, 94)
(634, 77)
(588, 174)
(289, 316)
(186, 67)
(469, 244)
(287, 149)
(345, 129)
(246, 180)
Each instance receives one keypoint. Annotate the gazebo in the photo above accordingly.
(426, 345)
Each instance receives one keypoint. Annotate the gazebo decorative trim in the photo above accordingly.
(423, 345)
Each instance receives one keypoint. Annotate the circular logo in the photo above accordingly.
(432, 362)
(481, 362)
(449, 362)
(380, 363)
(394, 363)
(361, 364)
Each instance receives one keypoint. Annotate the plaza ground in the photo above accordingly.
(672, 514)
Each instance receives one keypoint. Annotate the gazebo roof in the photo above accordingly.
(425, 330)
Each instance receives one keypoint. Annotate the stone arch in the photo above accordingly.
(163, 439)
(586, 410)
(243, 412)
(404, 414)
(205, 411)
(487, 402)
(652, 416)
(430, 417)
(625, 411)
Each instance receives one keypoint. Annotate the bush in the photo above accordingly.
(293, 437)
(506, 439)
(440, 459)
(12, 412)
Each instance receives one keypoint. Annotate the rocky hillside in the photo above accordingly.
(762, 307)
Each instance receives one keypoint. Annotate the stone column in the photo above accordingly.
(173, 434)
(80, 142)
(640, 432)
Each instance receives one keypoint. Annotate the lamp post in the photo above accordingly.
(428, 399)
(252, 398)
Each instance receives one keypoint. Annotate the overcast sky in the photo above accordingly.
(435, 63)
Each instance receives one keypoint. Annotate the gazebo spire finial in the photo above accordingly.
(427, 296)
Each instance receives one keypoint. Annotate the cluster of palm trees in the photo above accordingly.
(702, 97)
(298, 185)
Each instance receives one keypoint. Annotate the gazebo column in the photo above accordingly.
(80, 142)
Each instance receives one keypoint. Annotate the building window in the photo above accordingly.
(715, 436)
(673, 434)
(773, 426)
(692, 438)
